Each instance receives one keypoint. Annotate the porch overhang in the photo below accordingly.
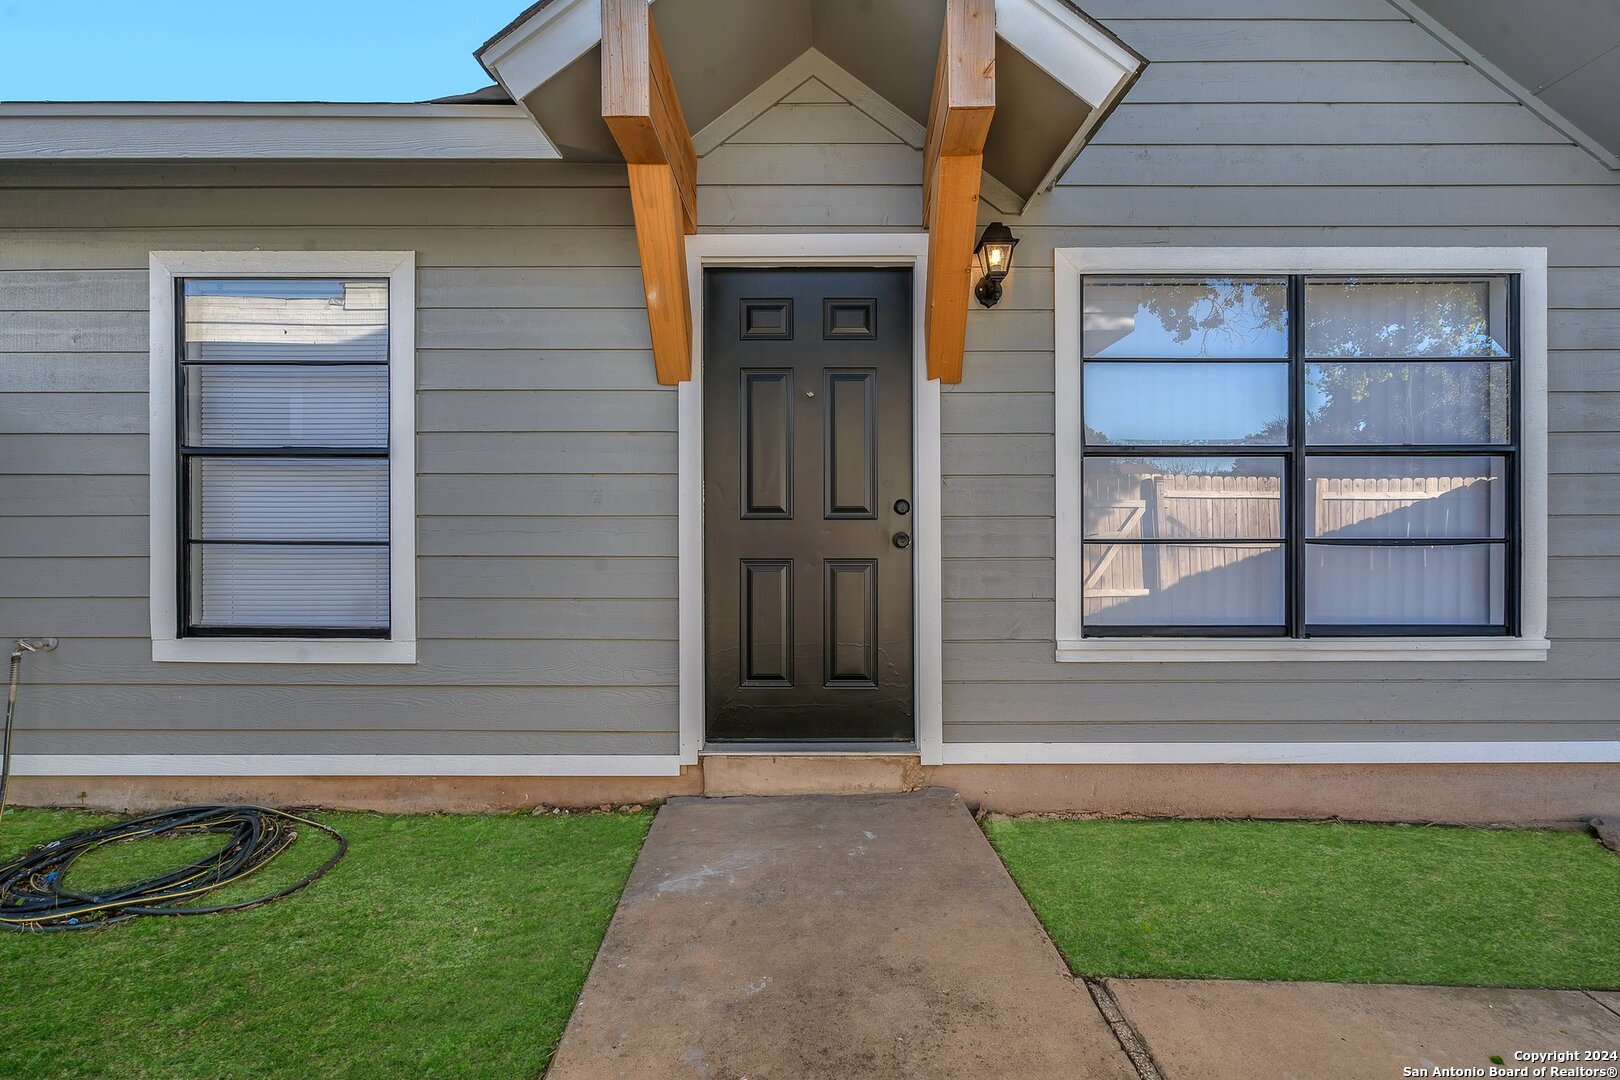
(1058, 72)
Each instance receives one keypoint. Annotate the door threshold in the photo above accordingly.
(782, 748)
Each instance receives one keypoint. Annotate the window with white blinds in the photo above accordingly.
(282, 402)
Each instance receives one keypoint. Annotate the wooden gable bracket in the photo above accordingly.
(953, 159)
(643, 112)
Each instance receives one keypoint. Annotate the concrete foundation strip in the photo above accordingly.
(1129, 1040)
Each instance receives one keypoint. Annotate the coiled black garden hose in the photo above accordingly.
(34, 895)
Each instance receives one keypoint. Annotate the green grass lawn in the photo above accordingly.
(1332, 902)
(440, 946)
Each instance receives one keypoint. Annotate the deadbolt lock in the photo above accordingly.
(901, 506)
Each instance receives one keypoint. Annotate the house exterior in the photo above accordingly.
(631, 428)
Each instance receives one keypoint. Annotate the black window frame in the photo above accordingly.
(186, 454)
(1294, 453)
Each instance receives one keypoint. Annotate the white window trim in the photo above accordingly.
(399, 267)
(1531, 266)
(797, 250)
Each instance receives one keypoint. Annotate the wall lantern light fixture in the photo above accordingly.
(994, 252)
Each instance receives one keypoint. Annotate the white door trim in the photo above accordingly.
(813, 249)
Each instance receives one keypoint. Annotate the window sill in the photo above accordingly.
(283, 651)
(1315, 650)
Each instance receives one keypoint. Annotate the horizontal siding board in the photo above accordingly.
(1084, 727)
(996, 414)
(539, 535)
(447, 743)
(80, 454)
(821, 207)
(366, 175)
(558, 451)
(997, 455)
(72, 413)
(965, 539)
(577, 662)
(1583, 411)
(1583, 369)
(60, 372)
(811, 165)
(1264, 205)
(73, 290)
(1277, 39)
(1584, 495)
(998, 579)
(1019, 661)
(997, 496)
(546, 411)
(597, 495)
(1291, 81)
(1315, 165)
(535, 369)
(510, 577)
(1447, 704)
(1584, 535)
(35, 247)
(73, 331)
(999, 620)
(73, 496)
(528, 328)
(108, 537)
(538, 620)
(1328, 124)
(502, 287)
(1109, 11)
(46, 577)
(342, 207)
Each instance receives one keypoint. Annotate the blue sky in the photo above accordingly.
(244, 50)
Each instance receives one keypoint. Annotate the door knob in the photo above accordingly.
(902, 540)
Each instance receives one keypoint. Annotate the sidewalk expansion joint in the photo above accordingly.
(1129, 1039)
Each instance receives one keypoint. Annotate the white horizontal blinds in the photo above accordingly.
(1297, 455)
(285, 452)
(1416, 375)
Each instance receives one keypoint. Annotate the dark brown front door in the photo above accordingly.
(807, 504)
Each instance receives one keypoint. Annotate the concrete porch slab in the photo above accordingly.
(858, 936)
(1214, 1030)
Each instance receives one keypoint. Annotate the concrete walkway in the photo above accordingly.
(1217, 1030)
(829, 936)
(878, 936)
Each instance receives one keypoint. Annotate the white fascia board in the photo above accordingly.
(221, 765)
(1289, 753)
(1067, 46)
(528, 54)
(284, 131)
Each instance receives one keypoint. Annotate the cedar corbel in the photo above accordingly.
(643, 112)
(953, 158)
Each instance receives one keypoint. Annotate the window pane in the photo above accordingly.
(1169, 498)
(1184, 317)
(289, 499)
(239, 585)
(286, 319)
(273, 405)
(1435, 317)
(1439, 585)
(1406, 497)
(1186, 404)
(289, 319)
(1393, 403)
(1183, 584)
